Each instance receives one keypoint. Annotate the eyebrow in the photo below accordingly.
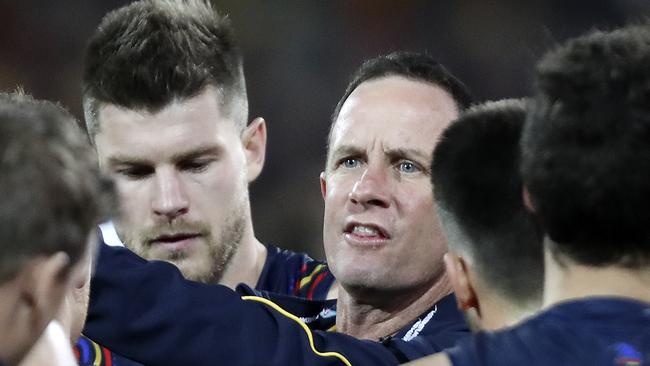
(408, 152)
(185, 155)
(345, 150)
(196, 153)
(126, 160)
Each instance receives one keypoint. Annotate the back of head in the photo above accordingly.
(410, 65)
(52, 193)
(586, 148)
(152, 52)
(477, 188)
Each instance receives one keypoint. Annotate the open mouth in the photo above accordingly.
(366, 231)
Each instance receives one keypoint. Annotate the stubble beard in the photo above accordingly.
(208, 262)
(221, 250)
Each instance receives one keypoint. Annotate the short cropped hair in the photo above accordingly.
(586, 148)
(52, 192)
(151, 53)
(410, 65)
(478, 193)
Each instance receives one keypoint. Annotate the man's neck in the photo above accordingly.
(569, 280)
(497, 312)
(247, 263)
(377, 314)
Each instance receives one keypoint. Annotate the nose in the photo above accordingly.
(372, 188)
(170, 199)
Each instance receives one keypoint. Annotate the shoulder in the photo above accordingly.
(443, 318)
(296, 274)
(440, 327)
(543, 339)
(581, 332)
(485, 348)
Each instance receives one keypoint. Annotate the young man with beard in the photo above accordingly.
(381, 238)
(165, 104)
(166, 108)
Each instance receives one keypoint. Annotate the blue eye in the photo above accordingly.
(408, 167)
(350, 163)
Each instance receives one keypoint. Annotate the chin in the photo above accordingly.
(198, 271)
(365, 280)
(196, 276)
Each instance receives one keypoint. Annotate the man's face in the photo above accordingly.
(181, 178)
(380, 224)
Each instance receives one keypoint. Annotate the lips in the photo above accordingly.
(174, 242)
(171, 238)
(366, 232)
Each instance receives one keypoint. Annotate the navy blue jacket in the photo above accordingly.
(593, 332)
(284, 272)
(297, 274)
(148, 312)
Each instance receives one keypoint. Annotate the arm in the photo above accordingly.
(148, 312)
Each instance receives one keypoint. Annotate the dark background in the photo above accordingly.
(298, 56)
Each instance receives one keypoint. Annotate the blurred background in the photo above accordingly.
(298, 56)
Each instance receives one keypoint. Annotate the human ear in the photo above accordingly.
(528, 200)
(323, 184)
(254, 140)
(458, 273)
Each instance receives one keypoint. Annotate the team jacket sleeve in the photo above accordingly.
(148, 312)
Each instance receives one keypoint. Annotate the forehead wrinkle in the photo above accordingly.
(346, 149)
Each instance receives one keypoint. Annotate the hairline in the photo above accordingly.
(416, 79)
(92, 107)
